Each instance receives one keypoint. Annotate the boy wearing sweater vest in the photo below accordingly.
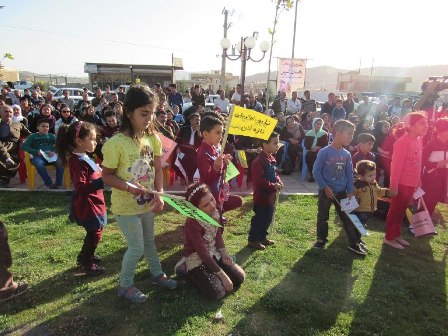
(40, 144)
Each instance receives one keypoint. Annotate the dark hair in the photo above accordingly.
(43, 105)
(157, 84)
(173, 85)
(338, 100)
(67, 134)
(194, 196)
(195, 114)
(208, 123)
(365, 138)
(137, 96)
(62, 106)
(43, 120)
(364, 166)
(213, 114)
(342, 125)
(23, 98)
(109, 113)
(378, 131)
(272, 135)
(159, 112)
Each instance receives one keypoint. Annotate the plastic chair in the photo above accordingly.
(31, 172)
(304, 166)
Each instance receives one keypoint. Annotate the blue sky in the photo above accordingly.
(59, 36)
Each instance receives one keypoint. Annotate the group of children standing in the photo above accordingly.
(132, 167)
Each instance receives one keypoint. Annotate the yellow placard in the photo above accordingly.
(241, 154)
(251, 123)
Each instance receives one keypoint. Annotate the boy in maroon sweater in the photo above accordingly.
(212, 165)
(266, 184)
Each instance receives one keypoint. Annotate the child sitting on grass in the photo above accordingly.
(266, 184)
(209, 266)
(42, 144)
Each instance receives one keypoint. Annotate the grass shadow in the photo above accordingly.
(390, 304)
(300, 305)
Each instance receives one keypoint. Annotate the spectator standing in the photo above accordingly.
(222, 102)
(308, 105)
(237, 95)
(329, 105)
(175, 98)
(67, 100)
(349, 104)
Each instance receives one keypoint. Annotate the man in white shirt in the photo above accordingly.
(293, 105)
(222, 102)
(236, 97)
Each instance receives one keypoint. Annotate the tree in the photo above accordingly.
(280, 7)
(5, 56)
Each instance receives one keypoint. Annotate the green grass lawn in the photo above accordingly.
(290, 289)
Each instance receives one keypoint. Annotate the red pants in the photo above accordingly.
(397, 211)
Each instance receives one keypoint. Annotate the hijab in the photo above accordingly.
(317, 134)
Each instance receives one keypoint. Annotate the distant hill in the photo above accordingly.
(325, 77)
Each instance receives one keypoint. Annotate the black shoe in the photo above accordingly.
(4, 183)
(363, 245)
(55, 186)
(319, 244)
(96, 259)
(311, 179)
(93, 270)
(357, 249)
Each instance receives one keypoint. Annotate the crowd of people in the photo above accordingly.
(115, 140)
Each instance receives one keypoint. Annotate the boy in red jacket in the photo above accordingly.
(266, 184)
(212, 165)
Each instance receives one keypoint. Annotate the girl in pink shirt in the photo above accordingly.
(405, 176)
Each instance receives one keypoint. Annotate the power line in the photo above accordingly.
(7, 25)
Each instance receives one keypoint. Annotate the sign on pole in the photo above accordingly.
(291, 74)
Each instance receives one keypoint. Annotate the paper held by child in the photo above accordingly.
(349, 204)
(358, 225)
(49, 159)
(231, 171)
(418, 193)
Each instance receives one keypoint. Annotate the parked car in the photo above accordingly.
(22, 85)
(75, 93)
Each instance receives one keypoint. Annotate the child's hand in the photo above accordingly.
(158, 204)
(393, 193)
(350, 195)
(228, 285)
(217, 165)
(227, 158)
(226, 259)
(279, 186)
(136, 189)
(329, 192)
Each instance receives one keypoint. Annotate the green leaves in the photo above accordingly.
(8, 56)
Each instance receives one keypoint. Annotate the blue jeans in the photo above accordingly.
(138, 231)
(40, 163)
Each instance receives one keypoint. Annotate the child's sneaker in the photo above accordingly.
(357, 249)
(363, 245)
(164, 281)
(319, 244)
(131, 294)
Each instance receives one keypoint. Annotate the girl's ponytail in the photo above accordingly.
(62, 144)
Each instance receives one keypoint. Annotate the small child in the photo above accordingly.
(107, 131)
(333, 171)
(435, 163)
(40, 143)
(88, 207)
(365, 145)
(367, 192)
(405, 176)
(338, 112)
(212, 165)
(266, 184)
(177, 116)
(208, 264)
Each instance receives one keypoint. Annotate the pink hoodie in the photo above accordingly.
(406, 162)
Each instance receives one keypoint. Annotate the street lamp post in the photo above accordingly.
(244, 48)
(132, 74)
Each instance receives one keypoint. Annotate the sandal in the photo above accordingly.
(18, 290)
(164, 281)
(132, 294)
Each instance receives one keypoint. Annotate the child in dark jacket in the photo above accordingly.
(266, 184)
(435, 167)
(207, 262)
(88, 207)
(212, 165)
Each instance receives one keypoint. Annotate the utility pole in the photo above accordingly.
(223, 56)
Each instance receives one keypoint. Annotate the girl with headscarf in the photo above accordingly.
(293, 134)
(315, 139)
